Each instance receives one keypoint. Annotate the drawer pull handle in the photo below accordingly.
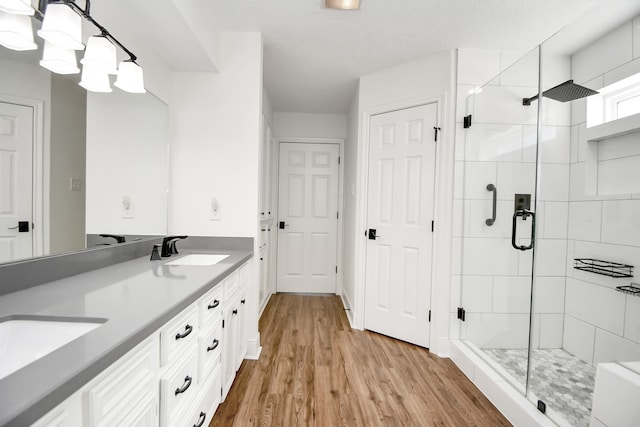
(235, 311)
(201, 420)
(187, 330)
(214, 305)
(185, 386)
(242, 301)
(214, 346)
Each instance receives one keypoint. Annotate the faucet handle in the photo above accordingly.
(155, 255)
(118, 238)
(169, 245)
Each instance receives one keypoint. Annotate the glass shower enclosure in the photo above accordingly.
(515, 168)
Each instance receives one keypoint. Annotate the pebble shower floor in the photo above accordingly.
(563, 381)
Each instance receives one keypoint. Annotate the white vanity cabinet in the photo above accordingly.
(175, 377)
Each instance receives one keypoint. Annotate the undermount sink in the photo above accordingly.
(25, 339)
(198, 259)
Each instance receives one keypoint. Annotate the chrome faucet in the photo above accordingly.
(169, 245)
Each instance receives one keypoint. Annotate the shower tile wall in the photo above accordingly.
(600, 324)
(499, 148)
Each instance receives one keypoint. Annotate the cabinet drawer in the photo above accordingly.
(178, 334)
(230, 285)
(121, 389)
(178, 388)
(210, 306)
(209, 347)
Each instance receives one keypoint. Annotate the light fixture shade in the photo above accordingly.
(62, 27)
(17, 7)
(100, 54)
(58, 60)
(342, 4)
(94, 80)
(130, 77)
(16, 32)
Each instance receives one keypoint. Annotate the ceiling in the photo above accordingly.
(313, 56)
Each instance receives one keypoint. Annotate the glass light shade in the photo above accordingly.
(100, 55)
(58, 60)
(342, 4)
(62, 27)
(130, 77)
(95, 80)
(16, 32)
(17, 7)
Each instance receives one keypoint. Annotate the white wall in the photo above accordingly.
(68, 161)
(349, 217)
(602, 325)
(305, 125)
(215, 143)
(402, 86)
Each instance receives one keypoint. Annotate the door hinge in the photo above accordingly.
(337, 215)
(336, 269)
(429, 315)
(432, 226)
(462, 314)
(338, 159)
(223, 323)
(542, 407)
(436, 129)
(467, 121)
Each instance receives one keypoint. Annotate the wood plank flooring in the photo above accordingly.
(316, 371)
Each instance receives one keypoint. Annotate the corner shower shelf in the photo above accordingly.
(605, 268)
(632, 289)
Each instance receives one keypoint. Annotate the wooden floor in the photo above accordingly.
(316, 371)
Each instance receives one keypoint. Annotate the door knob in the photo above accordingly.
(23, 227)
(373, 235)
(282, 225)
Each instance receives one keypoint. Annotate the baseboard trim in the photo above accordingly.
(347, 308)
(254, 349)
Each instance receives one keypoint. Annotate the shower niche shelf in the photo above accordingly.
(631, 289)
(605, 268)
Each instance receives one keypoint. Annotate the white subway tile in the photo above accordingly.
(613, 348)
(549, 294)
(621, 222)
(636, 37)
(515, 178)
(461, 135)
(477, 66)
(574, 144)
(505, 258)
(619, 176)
(583, 145)
(579, 111)
(458, 180)
(503, 104)
(622, 146)
(550, 257)
(476, 293)
(598, 305)
(519, 69)
(535, 331)
(498, 330)
(554, 182)
(456, 293)
(578, 186)
(585, 220)
(551, 327)
(622, 72)
(579, 338)
(556, 69)
(555, 217)
(464, 102)
(607, 53)
(476, 177)
(456, 255)
(511, 294)
(571, 249)
(460, 223)
(477, 257)
(489, 142)
(554, 145)
(556, 113)
(632, 319)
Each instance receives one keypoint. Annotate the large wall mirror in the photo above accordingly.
(75, 164)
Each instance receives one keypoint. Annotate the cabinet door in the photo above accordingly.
(229, 344)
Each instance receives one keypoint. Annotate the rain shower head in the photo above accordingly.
(564, 92)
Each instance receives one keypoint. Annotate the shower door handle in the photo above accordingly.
(524, 214)
(492, 188)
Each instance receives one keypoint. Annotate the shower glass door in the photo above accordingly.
(498, 204)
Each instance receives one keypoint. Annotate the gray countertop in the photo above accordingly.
(136, 297)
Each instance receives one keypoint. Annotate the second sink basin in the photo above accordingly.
(24, 340)
(198, 259)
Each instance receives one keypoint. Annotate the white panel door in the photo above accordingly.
(402, 151)
(16, 176)
(308, 208)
